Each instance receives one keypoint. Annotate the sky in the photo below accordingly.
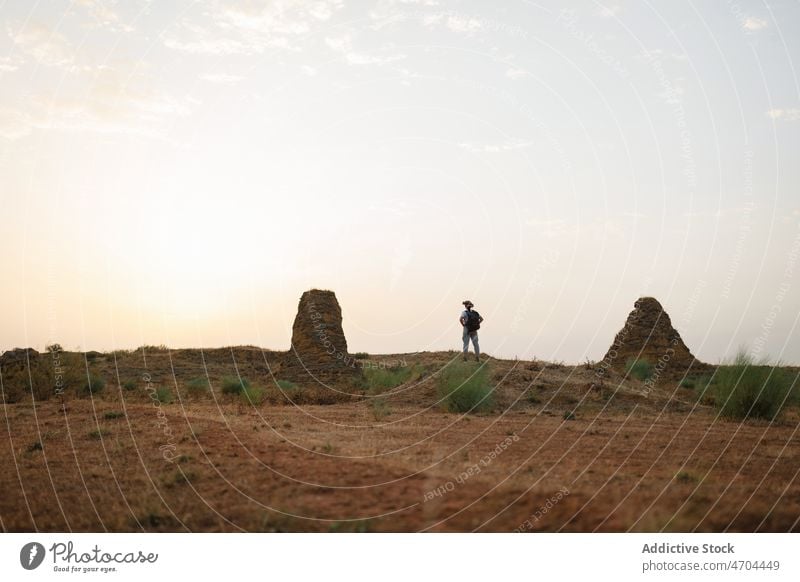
(180, 172)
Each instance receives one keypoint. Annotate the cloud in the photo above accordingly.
(344, 44)
(463, 23)
(221, 78)
(103, 14)
(115, 101)
(229, 27)
(45, 45)
(784, 114)
(13, 124)
(516, 73)
(8, 64)
(191, 38)
(752, 24)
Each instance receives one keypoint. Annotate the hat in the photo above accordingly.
(467, 303)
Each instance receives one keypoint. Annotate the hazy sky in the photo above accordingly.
(180, 172)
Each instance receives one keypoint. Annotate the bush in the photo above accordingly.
(234, 384)
(703, 391)
(379, 379)
(94, 385)
(163, 395)
(112, 414)
(640, 369)
(98, 434)
(464, 387)
(745, 388)
(286, 385)
(252, 395)
(129, 385)
(361, 356)
(198, 385)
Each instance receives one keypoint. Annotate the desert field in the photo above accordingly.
(153, 447)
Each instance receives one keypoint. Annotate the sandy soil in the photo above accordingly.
(627, 462)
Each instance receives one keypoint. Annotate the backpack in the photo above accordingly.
(473, 321)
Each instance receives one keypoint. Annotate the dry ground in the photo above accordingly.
(628, 461)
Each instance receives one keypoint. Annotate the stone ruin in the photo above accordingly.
(648, 335)
(319, 348)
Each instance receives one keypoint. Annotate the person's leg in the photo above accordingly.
(476, 346)
(465, 339)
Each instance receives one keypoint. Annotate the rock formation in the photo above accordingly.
(648, 335)
(18, 355)
(319, 348)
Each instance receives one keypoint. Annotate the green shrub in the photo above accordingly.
(234, 384)
(703, 391)
(198, 385)
(361, 356)
(252, 395)
(745, 388)
(98, 434)
(568, 415)
(640, 369)
(378, 379)
(112, 414)
(94, 385)
(163, 395)
(286, 385)
(129, 385)
(464, 387)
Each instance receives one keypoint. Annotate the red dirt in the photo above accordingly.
(625, 463)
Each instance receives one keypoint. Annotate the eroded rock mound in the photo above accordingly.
(18, 355)
(648, 334)
(319, 347)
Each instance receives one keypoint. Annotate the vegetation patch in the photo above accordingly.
(163, 395)
(252, 395)
(98, 434)
(234, 384)
(94, 384)
(198, 386)
(380, 408)
(379, 379)
(464, 387)
(641, 369)
(746, 388)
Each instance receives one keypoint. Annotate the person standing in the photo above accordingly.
(471, 322)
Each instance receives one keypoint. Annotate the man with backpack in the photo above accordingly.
(471, 322)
